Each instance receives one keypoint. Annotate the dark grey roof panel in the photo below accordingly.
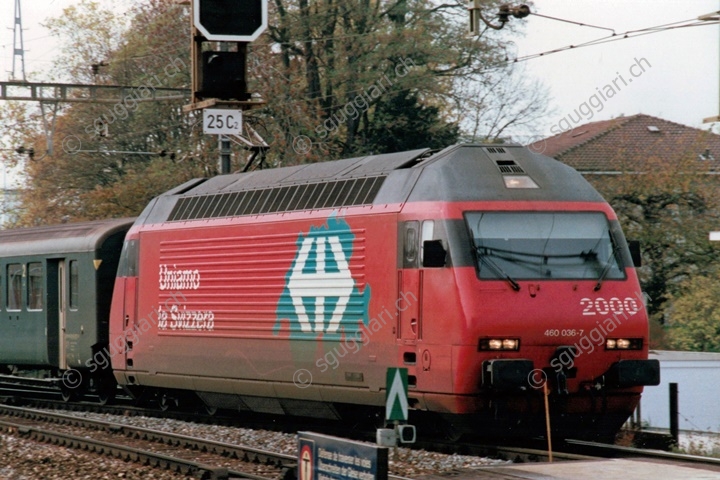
(468, 172)
(219, 183)
(190, 184)
(322, 171)
(370, 166)
(378, 164)
(397, 187)
(60, 239)
(265, 178)
(457, 173)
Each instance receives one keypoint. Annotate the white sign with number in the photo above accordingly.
(222, 121)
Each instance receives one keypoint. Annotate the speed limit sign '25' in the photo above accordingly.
(222, 121)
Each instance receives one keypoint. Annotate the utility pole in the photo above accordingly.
(18, 44)
(713, 17)
(225, 164)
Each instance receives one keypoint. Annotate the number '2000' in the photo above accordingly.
(610, 306)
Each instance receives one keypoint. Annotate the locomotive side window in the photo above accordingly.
(35, 286)
(74, 285)
(14, 286)
(428, 229)
(410, 246)
(545, 245)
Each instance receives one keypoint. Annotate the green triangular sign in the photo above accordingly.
(396, 401)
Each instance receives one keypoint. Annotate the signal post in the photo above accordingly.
(219, 84)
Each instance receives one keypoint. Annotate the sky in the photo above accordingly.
(678, 71)
(677, 74)
(40, 47)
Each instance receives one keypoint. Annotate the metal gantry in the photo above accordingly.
(79, 93)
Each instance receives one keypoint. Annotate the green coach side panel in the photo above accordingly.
(55, 291)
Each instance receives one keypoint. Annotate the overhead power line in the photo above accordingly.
(572, 22)
(614, 37)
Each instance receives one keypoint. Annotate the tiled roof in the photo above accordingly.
(630, 144)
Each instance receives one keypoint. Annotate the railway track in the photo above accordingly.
(603, 450)
(192, 456)
(219, 454)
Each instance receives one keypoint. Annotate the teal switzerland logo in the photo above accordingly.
(321, 299)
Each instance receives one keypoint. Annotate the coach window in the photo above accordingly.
(14, 286)
(74, 284)
(35, 286)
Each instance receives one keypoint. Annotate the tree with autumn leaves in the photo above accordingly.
(339, 79)
(82, 176)
(670, 205)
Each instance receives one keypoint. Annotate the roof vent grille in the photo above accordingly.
(495, 149)
(508, 167)
(280, 199)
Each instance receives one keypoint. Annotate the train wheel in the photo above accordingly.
(72, 385)
(167, 402)
(210, 410)
(68, 395)
(107, 394)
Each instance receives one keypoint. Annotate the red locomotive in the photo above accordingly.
(485, 270)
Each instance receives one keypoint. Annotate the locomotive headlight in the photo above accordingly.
(624, 343)
(499, 344)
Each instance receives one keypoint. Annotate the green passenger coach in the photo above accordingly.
(55, 291)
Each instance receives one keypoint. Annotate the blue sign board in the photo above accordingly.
(322, 457)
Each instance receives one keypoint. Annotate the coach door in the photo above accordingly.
(57, 311)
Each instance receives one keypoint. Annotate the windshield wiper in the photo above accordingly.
(583, 255)
(484, 256)
(606, 269)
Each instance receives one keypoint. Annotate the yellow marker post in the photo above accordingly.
(546, 394)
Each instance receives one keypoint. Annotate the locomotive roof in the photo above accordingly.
(457, 173)
(62, 238)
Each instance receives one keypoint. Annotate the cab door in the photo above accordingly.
(129, 319)
(409, 286)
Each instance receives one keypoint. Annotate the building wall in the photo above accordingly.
(698, 378)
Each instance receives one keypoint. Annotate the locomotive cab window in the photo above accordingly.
(35, 286)
(545, 245)
(14, 286)
(128, 259)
